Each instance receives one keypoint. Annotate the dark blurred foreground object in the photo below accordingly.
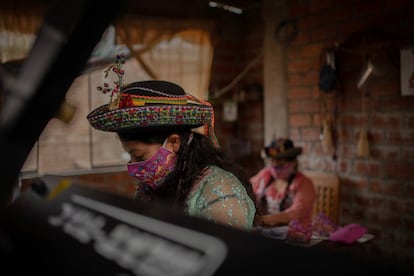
(60, 227)
(66, 110)
(30, 98)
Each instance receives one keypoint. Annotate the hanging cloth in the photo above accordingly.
(328, 83)
(328, 79)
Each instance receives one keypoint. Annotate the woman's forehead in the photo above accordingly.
(138, 146)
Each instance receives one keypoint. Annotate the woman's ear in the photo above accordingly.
(173, 142)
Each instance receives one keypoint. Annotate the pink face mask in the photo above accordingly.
(284, 171)
(154, 171)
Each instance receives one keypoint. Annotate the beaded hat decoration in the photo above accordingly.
(115, 91)
(282, 148)
(149, 106)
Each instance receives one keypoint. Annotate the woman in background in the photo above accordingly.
(283, 192)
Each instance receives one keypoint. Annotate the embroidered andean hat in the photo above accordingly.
(150, 105)
(282, 148)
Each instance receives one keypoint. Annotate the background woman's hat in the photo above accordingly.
(153, 105)
(282, 148)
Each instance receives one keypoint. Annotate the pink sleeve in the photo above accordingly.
(260, 180)
(303, 200)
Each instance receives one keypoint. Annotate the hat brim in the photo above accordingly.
(290, 153)
(150, 117)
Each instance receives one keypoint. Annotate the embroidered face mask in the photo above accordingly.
(154, 171)
(284, 171)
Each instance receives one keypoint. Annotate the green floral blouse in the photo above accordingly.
(220, 197)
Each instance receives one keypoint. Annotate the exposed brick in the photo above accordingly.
(309, 78)
(386, 152)
(399, 170)
(316, 92)
(315, 21)
(310, 134)
(408, 154)
(299, 93)
(348, 27)
(347, 151)
(324, 34)
(349, 120)
(316, 120)
(402, 136)
(320, 150)
(410, 225)
(379, 88)
(396, 103)
(303, 106)
(385, 120)
(395, 4)
(386, 187)
(343, 166)
(408, 121)
(366, 9)
(294, 53)
(377, 136)
(300, 66)
(316, 164)
(357, 184)
(294, 80)
(302, 38)
(368, 168)
(369, 201)
(312, 50)
(409, 192)
(300, 120)
(298, 9)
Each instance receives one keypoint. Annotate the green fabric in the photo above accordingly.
(220, 197)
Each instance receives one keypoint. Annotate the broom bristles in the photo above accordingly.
(327, 135)
(363, 144)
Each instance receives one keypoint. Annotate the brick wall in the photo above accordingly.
(376, 191)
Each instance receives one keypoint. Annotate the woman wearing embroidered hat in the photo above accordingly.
(286, 192)
(173, 164)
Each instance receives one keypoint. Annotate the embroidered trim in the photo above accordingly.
(151, 90)
(149, 116)
(219, 199)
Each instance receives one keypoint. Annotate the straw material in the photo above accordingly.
(363, 144)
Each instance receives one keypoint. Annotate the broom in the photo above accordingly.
(327, 134)
(363, 144)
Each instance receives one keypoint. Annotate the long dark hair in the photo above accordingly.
(193, 158)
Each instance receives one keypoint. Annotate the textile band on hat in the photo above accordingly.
(151, 105)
